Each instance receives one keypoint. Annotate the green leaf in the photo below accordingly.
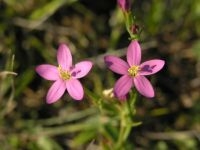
(75, 116)
(47, 10)
(91, 123)
(83, 138)
(46, 143)
(111, 132)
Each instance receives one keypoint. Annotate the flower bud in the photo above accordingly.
(125, 5)
(134, 29)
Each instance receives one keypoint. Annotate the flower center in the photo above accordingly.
(133, 70)
(65, 75)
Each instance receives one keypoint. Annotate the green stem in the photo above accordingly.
(128, 110)
(121, 137)
(133, 98)
(129, 22)
(126, 133)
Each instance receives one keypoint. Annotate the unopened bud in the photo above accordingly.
(134, 29)
(125, 5)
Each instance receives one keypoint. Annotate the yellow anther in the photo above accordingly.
(133, 70)
(65, 75)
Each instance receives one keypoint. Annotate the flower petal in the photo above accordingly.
(151, 66)
(122, 86)
(143, 86)
(48, 72)
(133, 55)
(55, 91)
(75, 89)
(64, 57)
(81, 69)
(116, 64)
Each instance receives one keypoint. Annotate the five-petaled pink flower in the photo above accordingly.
(133, 72)
(65, 75)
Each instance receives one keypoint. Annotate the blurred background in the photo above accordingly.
(30, 32)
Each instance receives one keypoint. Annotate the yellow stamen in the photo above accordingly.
(133, 70)
(65, 75)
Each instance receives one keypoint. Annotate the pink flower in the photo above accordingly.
(133, 72)
(65, 76)
(124, 4)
